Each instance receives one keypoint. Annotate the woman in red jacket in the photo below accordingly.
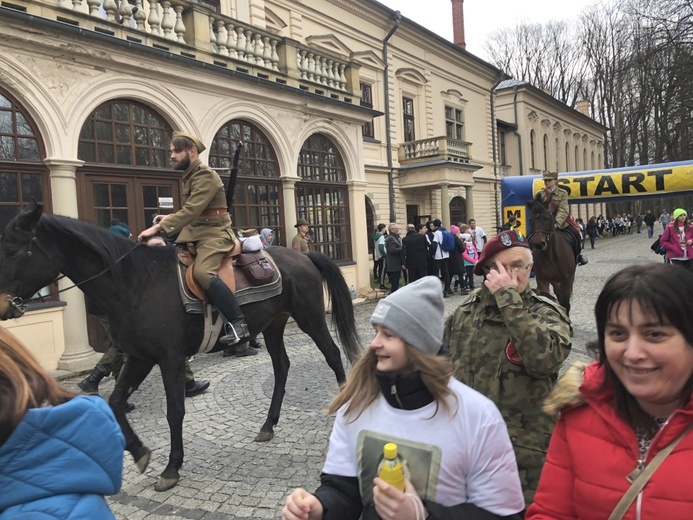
(618, 413)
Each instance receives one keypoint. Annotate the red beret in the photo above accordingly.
(502, 241)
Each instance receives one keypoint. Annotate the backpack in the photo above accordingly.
(448, 243)
(656, 246)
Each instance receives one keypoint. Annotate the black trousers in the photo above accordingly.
(417, 272)
(442, 270)
(394, 280)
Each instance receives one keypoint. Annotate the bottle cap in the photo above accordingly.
(390, 450)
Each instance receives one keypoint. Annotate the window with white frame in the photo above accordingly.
(454, 123)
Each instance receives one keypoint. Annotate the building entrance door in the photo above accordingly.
(131, 200)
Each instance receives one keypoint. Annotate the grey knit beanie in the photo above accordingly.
(415, 314)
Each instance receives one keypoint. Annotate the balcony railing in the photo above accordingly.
(194, 31)
(441, 148)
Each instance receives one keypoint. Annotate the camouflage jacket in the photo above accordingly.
(509, 347)
(558, 201)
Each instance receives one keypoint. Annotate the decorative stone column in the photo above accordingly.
(470, 202)
(78, 355)
(359, 247)
(290, 215)
(445, 205)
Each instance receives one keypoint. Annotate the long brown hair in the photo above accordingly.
(23, 384)
(362, 387)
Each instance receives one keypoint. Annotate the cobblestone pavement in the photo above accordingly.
(228, 475)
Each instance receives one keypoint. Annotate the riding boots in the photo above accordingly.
(581, 260)
(90, 385)
(236, 330)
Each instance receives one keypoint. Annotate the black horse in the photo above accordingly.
(137, 288)
(554, 258)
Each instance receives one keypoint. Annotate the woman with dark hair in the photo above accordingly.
(623, 416)
(60, 453)
(460, 459)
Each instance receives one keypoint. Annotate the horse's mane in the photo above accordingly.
(107, 246)
(538, 206)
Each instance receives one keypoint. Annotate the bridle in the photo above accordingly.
(548, 234)
(18, 304)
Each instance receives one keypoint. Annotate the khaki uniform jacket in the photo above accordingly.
(560, 201)
(202, 190)
(302, 243)
(509, 347)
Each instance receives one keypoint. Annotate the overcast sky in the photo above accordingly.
(482, 17)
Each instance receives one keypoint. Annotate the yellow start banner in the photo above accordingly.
(626, 183)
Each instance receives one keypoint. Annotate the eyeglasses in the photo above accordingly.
(515, 268)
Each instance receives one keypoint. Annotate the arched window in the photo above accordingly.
(592, 160)
(599, 161)
(126, 133)
(567, 157)
(370, 224)
(557, 153)
(126, 175)
(322, 197)
(258, 196)
(584, 158)
(531, 148)
(546, 152)
(458, 210)
(22, 173)
(577, 167)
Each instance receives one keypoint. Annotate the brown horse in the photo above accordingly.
(554, 258)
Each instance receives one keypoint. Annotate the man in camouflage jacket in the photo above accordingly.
(509, 343)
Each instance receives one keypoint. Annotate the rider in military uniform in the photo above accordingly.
(302, 242)
(555, 199)
(204, 221)
(508, 343)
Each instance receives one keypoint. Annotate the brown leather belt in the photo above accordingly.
(212, 212)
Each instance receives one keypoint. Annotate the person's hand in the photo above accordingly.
(496, 280)
(391, 503)
(301, 505)
(689, 242)
(149, 233)
(157, 219)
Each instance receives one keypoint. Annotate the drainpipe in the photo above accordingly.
(517, 126)
(397, 18)
(494, 130)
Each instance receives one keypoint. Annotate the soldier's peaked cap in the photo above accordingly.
(501, 242)
(547, 176)
(198, 144)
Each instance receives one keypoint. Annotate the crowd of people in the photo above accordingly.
(471, 401)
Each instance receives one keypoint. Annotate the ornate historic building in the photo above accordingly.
(346, 115)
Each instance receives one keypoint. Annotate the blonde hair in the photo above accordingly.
(362, 387)
(24, 384)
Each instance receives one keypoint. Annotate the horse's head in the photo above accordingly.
(24, 266)
(542, 224)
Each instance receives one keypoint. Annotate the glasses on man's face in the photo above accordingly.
(514, 268)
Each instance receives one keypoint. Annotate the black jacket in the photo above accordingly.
(415, 250)
(456, 262)
(649, 220)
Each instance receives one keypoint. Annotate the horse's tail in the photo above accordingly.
(342, 308)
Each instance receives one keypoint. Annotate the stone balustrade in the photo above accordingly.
(194, 31)
(442, 148)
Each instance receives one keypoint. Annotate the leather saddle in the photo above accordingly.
(253, 269)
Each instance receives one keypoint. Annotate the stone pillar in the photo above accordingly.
(78, 355)
(445, 205)
(359, 247)
(290, 215)
(470, 202)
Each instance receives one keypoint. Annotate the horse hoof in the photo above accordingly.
(143, 461)
(164, 484)
(264, 436)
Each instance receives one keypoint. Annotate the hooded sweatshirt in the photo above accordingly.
(60, 461)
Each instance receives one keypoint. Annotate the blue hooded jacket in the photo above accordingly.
(60, 461)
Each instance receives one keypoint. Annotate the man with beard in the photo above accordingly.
(204, 221)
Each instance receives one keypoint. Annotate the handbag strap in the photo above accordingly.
(639, 483)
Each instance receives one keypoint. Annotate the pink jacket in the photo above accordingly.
(470, 254)
(670, 241)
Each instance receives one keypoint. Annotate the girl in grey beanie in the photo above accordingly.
(461, 461)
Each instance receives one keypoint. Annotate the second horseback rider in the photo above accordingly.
(555, 199)
(203, 220)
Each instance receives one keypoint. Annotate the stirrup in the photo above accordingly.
(232, 335)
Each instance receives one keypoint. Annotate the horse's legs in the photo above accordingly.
(274, 341)
(320, 334)
(131, 376)
(173, 374)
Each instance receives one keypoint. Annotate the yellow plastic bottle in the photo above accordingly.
(391, 469)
